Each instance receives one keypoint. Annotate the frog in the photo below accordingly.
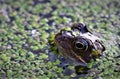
(79, 44)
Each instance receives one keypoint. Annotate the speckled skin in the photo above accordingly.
(88, 45)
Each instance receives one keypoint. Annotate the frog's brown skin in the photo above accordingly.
(79, 46)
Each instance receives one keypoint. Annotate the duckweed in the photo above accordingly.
(27, 29)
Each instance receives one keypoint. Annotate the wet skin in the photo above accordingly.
(79, 43)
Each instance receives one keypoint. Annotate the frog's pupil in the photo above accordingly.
(79, 45)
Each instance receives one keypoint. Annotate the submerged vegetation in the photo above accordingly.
(27, 25)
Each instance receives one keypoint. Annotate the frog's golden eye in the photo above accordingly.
(79, 45)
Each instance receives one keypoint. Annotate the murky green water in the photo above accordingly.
(26, 27)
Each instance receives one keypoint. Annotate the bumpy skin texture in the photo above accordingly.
(79, 43)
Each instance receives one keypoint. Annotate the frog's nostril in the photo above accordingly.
(64, 38)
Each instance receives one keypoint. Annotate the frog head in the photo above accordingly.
(79, 43)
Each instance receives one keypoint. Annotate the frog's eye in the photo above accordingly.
(81, 27)
(79, 45)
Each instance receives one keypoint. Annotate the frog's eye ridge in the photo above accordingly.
(79, 45)
(81, 27)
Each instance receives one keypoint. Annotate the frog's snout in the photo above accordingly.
(60, 38)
